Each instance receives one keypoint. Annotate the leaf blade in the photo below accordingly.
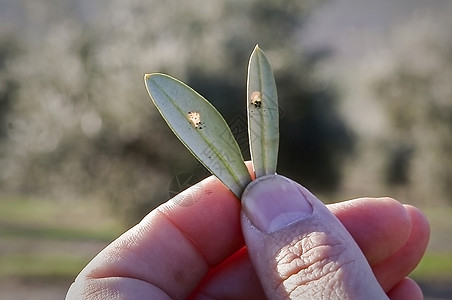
(201, 128)
(263, 114)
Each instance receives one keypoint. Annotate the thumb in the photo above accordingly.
(299, 249)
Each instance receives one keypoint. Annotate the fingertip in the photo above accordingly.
(419, 222)
(407, 288)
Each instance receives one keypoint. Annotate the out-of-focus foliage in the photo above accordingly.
(75, 118)
(8, 86)
(80, 121)
(406, 86)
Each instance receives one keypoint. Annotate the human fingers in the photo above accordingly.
(380, 226)
(171, 250)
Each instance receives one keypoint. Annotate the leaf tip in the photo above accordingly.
(257, 48)
(147, 78)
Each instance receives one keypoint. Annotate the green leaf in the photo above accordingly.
(201, 128)
(263, 116)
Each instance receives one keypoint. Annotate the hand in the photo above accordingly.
(193, 247)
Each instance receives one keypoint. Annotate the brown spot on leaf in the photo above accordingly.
(256, 99)
(195, 118)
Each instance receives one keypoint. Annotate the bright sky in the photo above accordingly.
(339, 23)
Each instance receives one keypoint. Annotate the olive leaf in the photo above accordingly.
(201, 128)
(263, 115)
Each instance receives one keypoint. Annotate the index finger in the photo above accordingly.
(174, 247)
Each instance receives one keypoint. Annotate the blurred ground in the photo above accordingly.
(43, 246)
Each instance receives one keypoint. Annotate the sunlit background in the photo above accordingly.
(365, 91)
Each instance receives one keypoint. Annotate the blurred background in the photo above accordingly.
(365, 91)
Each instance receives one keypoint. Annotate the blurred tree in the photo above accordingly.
(416, 92)
(9, 47)
(83, 122)
(404, 93)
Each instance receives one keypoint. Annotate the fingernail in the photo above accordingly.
(273, 202)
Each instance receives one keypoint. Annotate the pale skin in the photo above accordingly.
(198, 251)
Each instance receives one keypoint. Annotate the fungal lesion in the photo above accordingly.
(195, 118)
(256, 99)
